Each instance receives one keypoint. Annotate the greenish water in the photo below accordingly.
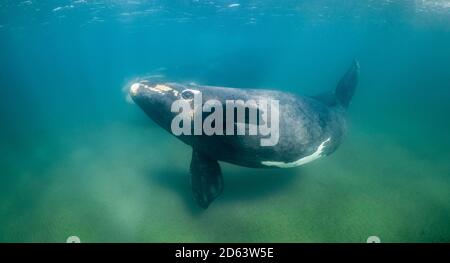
(77, 159)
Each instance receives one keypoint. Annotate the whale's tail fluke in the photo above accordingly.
(347, 85)
(345, 89)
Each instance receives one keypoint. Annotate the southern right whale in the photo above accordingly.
(308, 127)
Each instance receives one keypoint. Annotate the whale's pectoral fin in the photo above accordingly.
(206, 179)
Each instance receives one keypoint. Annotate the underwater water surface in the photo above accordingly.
(76, 158)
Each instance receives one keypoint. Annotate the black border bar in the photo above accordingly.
(289, 252)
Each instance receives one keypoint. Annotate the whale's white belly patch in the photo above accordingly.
(317, 154)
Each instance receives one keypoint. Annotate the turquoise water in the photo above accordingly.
(77, 159)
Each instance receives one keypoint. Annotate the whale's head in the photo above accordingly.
(156, 99)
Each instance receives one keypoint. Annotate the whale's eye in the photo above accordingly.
(187, 94)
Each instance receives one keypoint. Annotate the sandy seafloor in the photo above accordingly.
(129, 183)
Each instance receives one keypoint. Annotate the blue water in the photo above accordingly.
(77, 159)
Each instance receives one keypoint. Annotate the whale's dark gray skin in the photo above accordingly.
(309, 128)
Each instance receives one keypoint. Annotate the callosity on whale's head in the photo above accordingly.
(155, 99)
